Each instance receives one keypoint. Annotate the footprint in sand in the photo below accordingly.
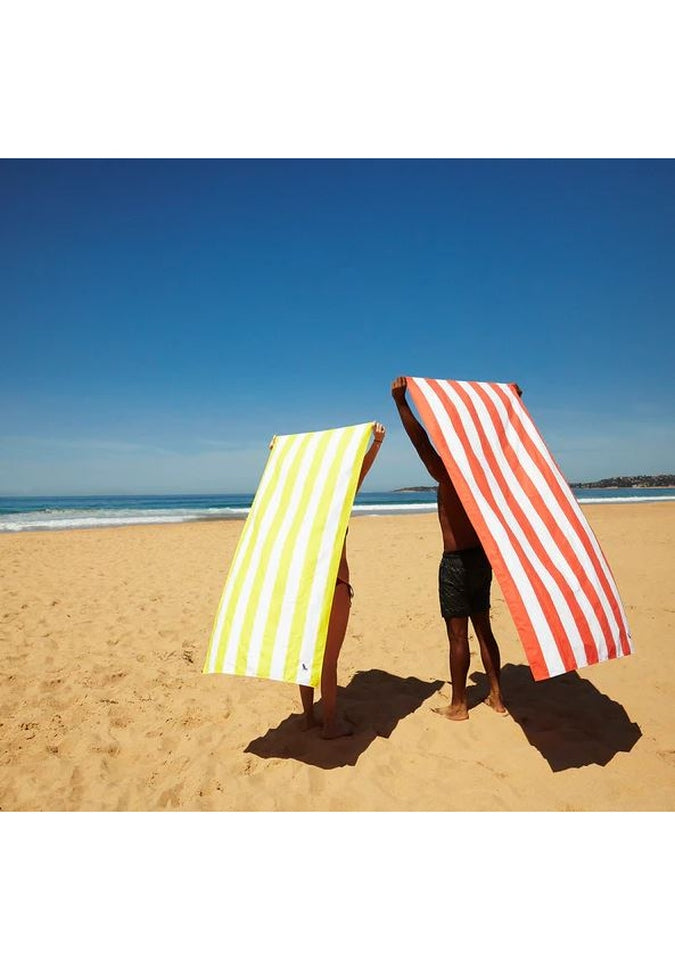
(248, 766)
(107, 747)
(113, 678)
(170, 796)
(76, 784)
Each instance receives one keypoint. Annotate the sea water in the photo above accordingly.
(41, 513)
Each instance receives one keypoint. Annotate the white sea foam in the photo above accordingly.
(50, 519)
(403, 507)
(55, 519)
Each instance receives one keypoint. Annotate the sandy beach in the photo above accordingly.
(103, 705)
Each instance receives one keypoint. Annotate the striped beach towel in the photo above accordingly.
(554, 577)
(272, 620)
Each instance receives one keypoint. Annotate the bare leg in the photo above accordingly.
(307, 698)
(489, 651)
(458, 628)
(337, 627)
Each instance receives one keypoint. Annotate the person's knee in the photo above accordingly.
(481, 624)
(459, 641)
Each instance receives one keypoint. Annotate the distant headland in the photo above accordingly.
(622, 481)
(630, 481)
(417, 488)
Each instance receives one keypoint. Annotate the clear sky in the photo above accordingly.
(162, 319)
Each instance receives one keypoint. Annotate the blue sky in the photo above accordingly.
(160, 320)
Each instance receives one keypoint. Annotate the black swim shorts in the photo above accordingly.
(464, 579)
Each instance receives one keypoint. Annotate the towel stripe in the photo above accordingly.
(243, 553)
(548, 562)
(577, 526)
(273, 615)
(268, 632)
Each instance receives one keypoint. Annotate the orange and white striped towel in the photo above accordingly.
(545, 556)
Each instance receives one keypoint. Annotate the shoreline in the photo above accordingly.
(357, 512)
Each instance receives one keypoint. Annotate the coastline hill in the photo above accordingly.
(630, 481)
(622, 481)
(417, 488)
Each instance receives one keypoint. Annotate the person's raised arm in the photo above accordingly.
(370, 456)
(430, 457)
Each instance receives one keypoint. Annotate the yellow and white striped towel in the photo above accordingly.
(273, 615)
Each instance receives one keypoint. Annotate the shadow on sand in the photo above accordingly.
(375, 701)
(565, 718)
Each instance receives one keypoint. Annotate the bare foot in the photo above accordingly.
(454, 712)
(338, 729)
(308, 721)
(497, 704)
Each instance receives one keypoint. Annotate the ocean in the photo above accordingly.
(46, 513)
